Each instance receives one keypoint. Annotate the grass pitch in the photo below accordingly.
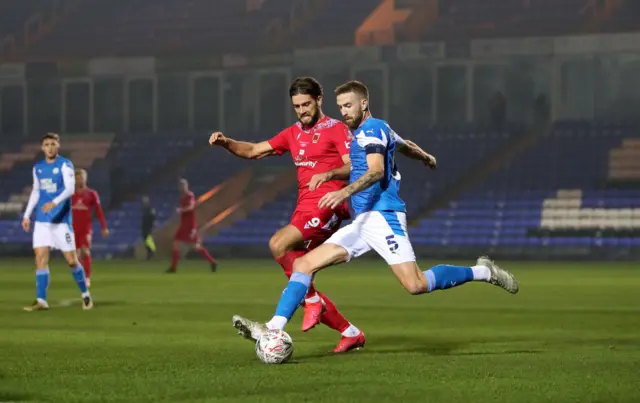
(571, 335)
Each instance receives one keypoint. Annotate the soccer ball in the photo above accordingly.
(274, 347)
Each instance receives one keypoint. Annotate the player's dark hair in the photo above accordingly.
(50, 136)
(306, 86)
(353, 86)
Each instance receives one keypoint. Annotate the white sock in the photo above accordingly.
(43, 302)
(351, 331)
(481, 273)
(86, 294)
(277, 322)
(314, 299)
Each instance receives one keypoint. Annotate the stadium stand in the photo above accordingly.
(469, 18)
(160, 27)
(550, 195)
(95, 28)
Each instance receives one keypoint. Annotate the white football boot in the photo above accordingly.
(247, 328)
(499, 276)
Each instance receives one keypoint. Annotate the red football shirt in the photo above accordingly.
(83, 203)
(315, 150)
(188, 218)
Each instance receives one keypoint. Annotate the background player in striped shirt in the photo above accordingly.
(53, 187)
(84, 203)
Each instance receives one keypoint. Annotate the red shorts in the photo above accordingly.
(187, 235)
(83, 239)
(318, 225)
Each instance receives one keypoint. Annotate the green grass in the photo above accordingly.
(571, 335)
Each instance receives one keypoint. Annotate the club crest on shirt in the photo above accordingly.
(80, 205)
(316, 138)
(56, 171)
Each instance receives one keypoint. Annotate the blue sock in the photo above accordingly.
(78, 275)
(293, 295)
(445, 276)
(42, 283)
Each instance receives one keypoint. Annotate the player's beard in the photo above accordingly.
(353, 122)
(314, 119)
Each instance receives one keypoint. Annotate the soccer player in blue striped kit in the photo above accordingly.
(53, 186)
(380, 222)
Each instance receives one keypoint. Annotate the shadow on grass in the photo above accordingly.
(7, 396)
(97, 304)
(417, 344)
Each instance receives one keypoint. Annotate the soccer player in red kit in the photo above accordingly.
(83, 203)
(318, 144)
(187, 232)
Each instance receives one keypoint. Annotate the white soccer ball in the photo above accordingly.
(274, 347)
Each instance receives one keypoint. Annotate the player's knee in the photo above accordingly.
(86, 252)
(415, 285)
(303, 265)
(415, 288)
(278, 246)
(72, 261)
(41, 261)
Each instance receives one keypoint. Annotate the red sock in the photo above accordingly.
(332, 318)
(205, 254)
(86, 264)
(286, 262)
(175, 256)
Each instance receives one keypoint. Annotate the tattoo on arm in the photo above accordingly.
(366, 180)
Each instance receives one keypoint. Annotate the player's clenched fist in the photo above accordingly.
(431, 161)
(217, 138)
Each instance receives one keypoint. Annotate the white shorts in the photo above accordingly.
(56, 236)
(383, 231)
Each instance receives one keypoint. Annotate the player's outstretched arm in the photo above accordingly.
(242, 149)
(411, 150)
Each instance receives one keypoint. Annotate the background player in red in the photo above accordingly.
(83, 203)
(318, 144)
(187, 232)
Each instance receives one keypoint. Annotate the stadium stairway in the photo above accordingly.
(228, 202)
(379, 27)
(169, 169)
(397, 21)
